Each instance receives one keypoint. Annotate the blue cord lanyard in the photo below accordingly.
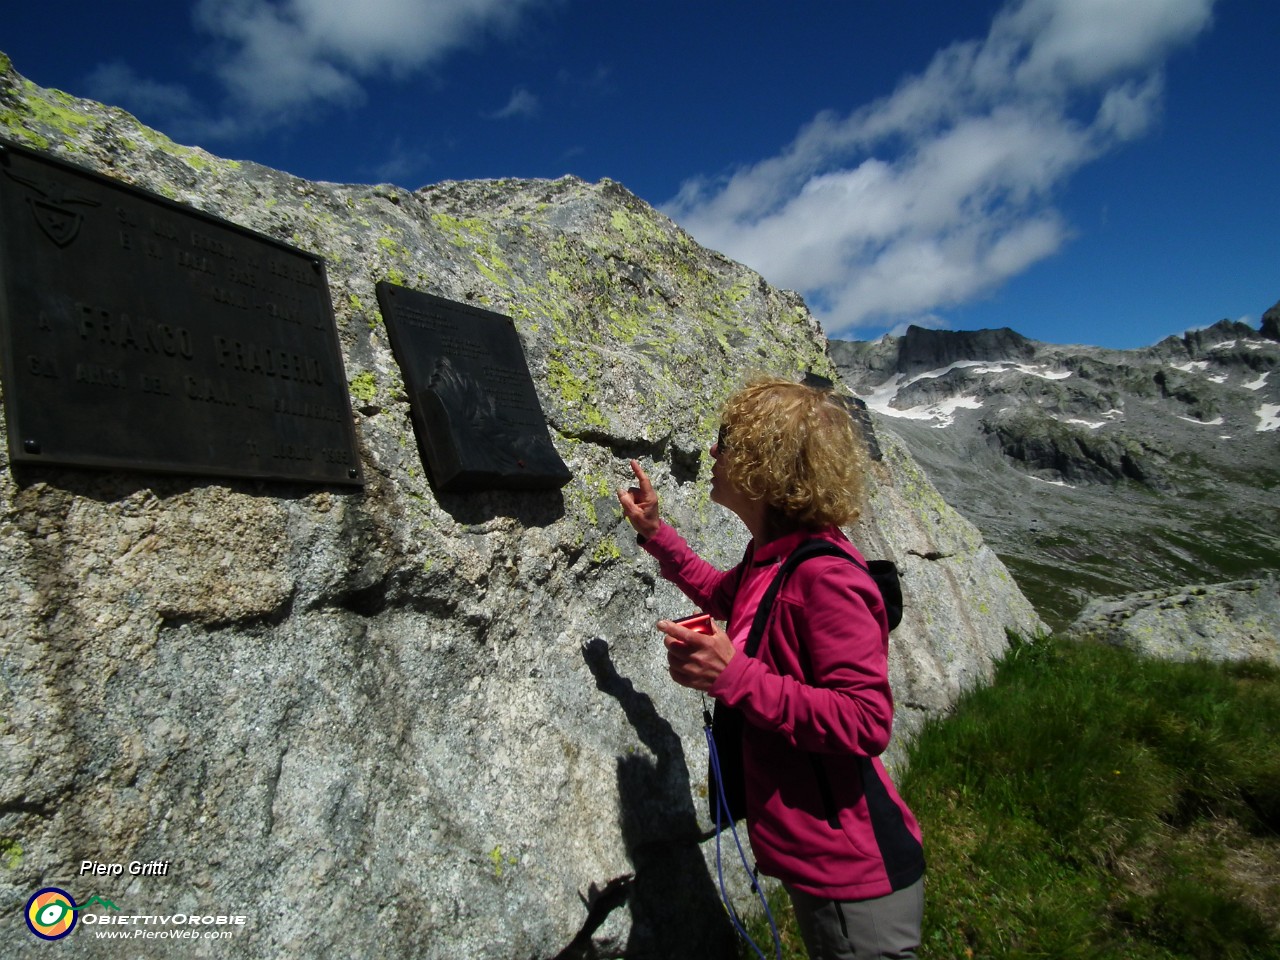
(722, 814)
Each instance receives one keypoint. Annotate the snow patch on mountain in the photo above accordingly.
(1268, 417)
(883, 397)
(944, 412)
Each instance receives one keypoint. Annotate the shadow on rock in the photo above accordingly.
(675, 910)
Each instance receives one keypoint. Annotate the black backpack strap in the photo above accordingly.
(885, 575)
(806, 550)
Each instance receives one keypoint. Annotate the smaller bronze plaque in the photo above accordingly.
(479, 423)
(137, 333)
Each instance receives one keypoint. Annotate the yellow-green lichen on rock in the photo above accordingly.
(364, 387)
(10, 853)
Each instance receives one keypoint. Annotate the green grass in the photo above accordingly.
(1092, 803)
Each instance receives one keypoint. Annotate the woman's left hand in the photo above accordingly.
(696, 659)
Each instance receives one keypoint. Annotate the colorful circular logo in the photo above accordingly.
(51, 913)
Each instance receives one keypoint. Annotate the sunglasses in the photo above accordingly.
(721, 445)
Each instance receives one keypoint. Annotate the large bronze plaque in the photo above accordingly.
(479, 423)
(140, 334)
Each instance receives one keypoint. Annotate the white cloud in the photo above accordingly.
(1085, 42)
(522, 104)
(277, 59)
(115, 82)
(943, 190)
(288, 54)
(401, 162)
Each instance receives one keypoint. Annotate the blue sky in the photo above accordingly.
(1083, 171)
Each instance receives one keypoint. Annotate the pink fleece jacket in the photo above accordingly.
(822, 812)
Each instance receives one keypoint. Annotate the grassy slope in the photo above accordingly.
(1095, 804)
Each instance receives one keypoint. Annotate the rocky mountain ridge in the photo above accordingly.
(1093, 472)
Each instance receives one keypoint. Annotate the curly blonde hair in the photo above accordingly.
(796, 448)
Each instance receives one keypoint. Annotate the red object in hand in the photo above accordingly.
(698, 623)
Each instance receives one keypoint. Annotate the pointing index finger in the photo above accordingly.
(641, 477)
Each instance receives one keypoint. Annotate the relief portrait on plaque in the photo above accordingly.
(479, 422)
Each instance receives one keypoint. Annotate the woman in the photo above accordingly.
(822, 813)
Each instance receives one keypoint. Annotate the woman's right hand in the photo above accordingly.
(640, 503)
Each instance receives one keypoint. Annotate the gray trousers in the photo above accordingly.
(886, 927)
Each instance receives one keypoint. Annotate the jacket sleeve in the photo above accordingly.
(711, 589)
(830, 636)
